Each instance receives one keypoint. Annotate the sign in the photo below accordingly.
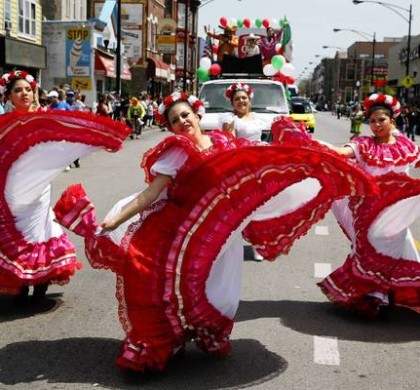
(407, 82)
(81, 83)
(166, 39)
(132, 25)
(166, 44)
(78, 55)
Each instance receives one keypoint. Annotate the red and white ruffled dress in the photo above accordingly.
(34, 149)
(384, 258)
(178, 263)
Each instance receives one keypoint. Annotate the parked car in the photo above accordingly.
(301, 111)
(269, 101)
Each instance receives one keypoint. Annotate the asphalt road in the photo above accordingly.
(287, 335)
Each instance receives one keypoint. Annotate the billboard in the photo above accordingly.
(132, 26)
(78, 52)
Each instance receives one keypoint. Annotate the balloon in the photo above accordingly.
(282, 23)
(205, 63)
(214, 49)
(215, 69)
(269, 70)
(247, 23)
(202, 74)
(266, 23)
(240, 23)
(277, 61)
(288, 69)
(274, 22)
(258, 22)
(279, 48)
(233, 22)
(223, 22)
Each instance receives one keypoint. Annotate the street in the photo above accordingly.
(286, 336)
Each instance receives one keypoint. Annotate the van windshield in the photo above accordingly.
(268, 98)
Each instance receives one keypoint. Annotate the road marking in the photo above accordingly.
(321, 270)
(326, 351)
(321, 230)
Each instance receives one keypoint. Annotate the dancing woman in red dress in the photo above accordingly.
(384, 261)
(35, 147)
(177, 248)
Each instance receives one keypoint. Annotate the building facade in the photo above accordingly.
(21, 37)
(397, 77)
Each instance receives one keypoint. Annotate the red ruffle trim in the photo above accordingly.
(53, 261)
(75, 211)
(368, 271)
(164, 285)
(221, 141)
(402, 152)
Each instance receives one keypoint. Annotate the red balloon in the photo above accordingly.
(223, 22)
(247, 23)
(215, 69)
(266, 23)
(214, 49)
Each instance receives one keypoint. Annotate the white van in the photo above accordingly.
(269, 101)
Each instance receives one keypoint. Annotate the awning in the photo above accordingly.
(106, 66)
(157, 69)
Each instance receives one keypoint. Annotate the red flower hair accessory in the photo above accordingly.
(196, 104)
(8, 78)
(231, 90)
(387, 101)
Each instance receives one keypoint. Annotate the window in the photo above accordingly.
(7, 11)
(68, 9)
(27, 17)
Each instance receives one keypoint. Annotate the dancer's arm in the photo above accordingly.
(139, 203)
(343, 150)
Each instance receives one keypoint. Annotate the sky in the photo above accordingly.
(312, 23)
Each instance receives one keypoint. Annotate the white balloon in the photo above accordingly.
(205, 63)
(233, 22)
(288, 69)
(278, 47)
(274, 23)
(269, 70)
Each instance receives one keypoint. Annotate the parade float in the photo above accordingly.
(256, 52)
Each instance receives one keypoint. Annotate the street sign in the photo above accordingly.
(407, 82)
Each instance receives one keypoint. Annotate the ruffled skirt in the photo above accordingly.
(34, 149)
(178, 263)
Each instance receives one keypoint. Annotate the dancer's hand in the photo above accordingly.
(109, 225)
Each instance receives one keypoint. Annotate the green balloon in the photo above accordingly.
(240, 23)
(277, 62)
(202, 74)
(258, 22)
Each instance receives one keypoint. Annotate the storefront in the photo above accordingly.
(105, 71)
(159, 77)
(22, 55)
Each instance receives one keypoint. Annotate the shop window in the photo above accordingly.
(27, 17)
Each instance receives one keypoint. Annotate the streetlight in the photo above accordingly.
(394, 8)
(334, 47)
(368, 37)
(118, 62)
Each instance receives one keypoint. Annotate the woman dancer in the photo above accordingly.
(176, 247)
(35, 146)
(242, 122)
(384, 261)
